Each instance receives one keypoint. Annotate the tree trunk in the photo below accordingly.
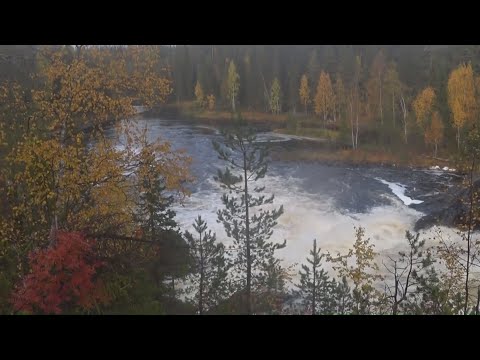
(314, 279)
(247, 236)
(404, 110)
(478, 301)
(393, 108)
(200, 297)
(458, 137)
(381, 105)
(351, 124)
(356, 132)
(470, 219)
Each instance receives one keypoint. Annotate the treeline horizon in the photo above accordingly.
(357, 89)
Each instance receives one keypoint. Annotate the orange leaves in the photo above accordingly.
(423, 106)
(461, 95)
(62, 278)
(324, 99)
(77, 180)
(304, 91)
(434, 133)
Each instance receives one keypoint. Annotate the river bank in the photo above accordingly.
(308, 143)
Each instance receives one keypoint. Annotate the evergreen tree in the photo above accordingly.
(315, 284)
(243, 216)
(208, 269)
(342, 296)
(157, 222)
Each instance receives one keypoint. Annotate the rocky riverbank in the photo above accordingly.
(448, 208)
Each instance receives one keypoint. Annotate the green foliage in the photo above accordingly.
(316, 288)
(244, 216)
(207, 279)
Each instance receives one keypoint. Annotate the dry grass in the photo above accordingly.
(310, 132)
(247, 115)
(359, 156)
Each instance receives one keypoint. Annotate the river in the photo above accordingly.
(322, 202)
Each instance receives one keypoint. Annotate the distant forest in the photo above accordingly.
(367, 88)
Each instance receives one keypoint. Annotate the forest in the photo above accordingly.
(88, 199)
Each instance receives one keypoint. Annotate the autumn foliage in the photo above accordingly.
(62, 278)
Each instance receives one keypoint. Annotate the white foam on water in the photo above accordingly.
(307, 217)
(399, 191)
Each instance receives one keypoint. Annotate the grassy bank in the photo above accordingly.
(361, 156)
(310, 132)
(311, 127)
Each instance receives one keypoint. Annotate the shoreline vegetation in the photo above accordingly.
(328, 147)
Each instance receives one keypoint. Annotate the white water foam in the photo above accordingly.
(307, 217)
(399, 191)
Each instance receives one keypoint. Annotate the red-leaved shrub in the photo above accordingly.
(61, 278)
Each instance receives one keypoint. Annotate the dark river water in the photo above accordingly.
(321, 202)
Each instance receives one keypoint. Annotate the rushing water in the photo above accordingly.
(320, 202)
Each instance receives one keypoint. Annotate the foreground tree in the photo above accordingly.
(62, 279)
(406, 271)
(316, 288)
(207, 280)
(68, 173)
(244, 216)
(359, 266)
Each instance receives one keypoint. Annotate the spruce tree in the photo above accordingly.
(208, 268)
(158, 225)
(342, 296)
(244, 216)
(315, 285)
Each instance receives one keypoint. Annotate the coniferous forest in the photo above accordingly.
(97, 181)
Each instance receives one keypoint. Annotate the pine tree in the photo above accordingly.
(251, 246)
(342, 296)
(315, 284)
(208, 268)
(157, 221)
